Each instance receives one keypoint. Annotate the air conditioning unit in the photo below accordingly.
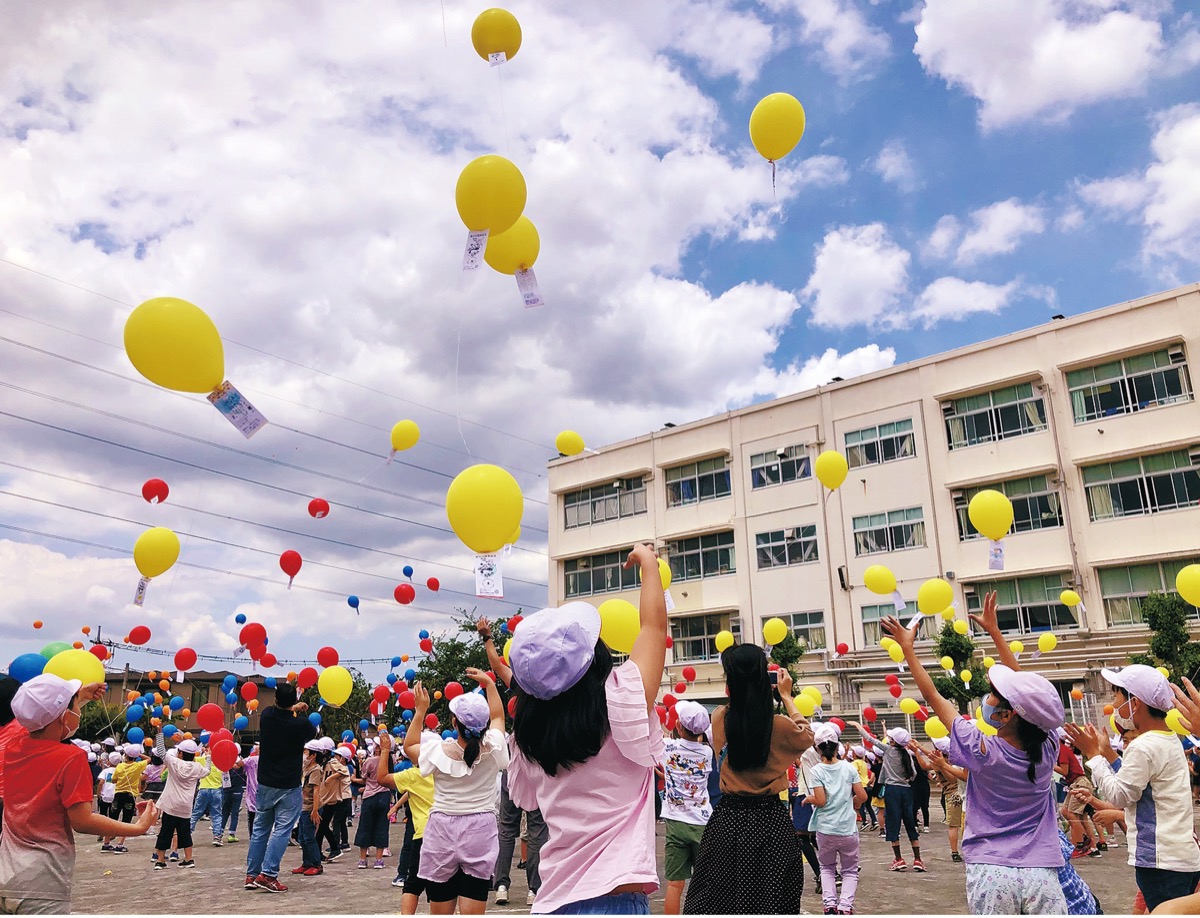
(947, 409)
(968, 590)
(1175, 354)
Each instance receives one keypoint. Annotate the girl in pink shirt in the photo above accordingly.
(587, 742)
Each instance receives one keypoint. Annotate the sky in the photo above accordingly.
(969, 168)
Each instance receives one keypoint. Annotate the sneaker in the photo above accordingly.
(956, 857)
(918, 866)
(502, 895)
(1103, 846)
(898, 864)
(313, 871)
(530, 897)
(296, 871)
(1078, 853)
(120, 849)
(270, 884)
(160, 865)
(398, 882)
(174, 856)
(387, 852)
(1095, 852)
(217, 843)
(830, 910)
(232, 839)
(106, 849)
(249, 882)
(334, 855)
(187, 863)
(378, 863)
(520, 865)
(845, 911)
(362, 864)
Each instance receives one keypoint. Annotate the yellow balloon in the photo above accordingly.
(934, 596)
(155, 551)
(1166, 673)
(724, 641)
(516, 249)
(490, 194)
(776, 125)
(496, 30)
(774, 630)
(1174, 720)
(896, 653)
(879, 579)
(175, 345)
(620, 623)
(948, 614)
(1069, 598)
(989, 662)
(507, 647)
(1016, 646)
(960, 626)
(991, 513)
(75, 664)
(569, 443)
(934, 728)
(831, 469)
(805, 705)
(1112, 725)
(1047, 642)
(887, 643)
(1187, 582)
(982, 724)
(512, 539)
(484, 505)
(965, 675)
(909, 705)
(947, 663)
(335, 684)
(664, 571)
(405, 435)
(814, 693)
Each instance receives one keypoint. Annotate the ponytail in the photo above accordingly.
(1031, 738)
(472, 737)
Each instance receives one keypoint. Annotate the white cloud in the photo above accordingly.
(859, 275)
(1122, 194)
(894, 165)
(1071, 219)
(1172, 214)
(1038, 59)
(955, 299)
(944, 237)
(819, 370)
(998, 229)
(850, 46)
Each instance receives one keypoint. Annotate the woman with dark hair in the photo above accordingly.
(750, 859)
(1011, 844)
(587, 742)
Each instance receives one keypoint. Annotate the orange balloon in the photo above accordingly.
(1077, 694)
(291, 676)
(403, 658)
(86, 629)
(78, 645)
(437, 696)
(157, 698)
(252, 704)
(153, 674)
(147, 742)
(154, 722)
(1108, 709)
(188, 736)
(125, 640)
(131, 696)
(185, 714)
(37, 623)
(165, 685)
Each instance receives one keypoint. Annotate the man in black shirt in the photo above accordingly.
(283, 731)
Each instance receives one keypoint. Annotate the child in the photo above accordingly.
(372, 815)
(311, 777)
(184, 772)
(418, 791)
(897, 771)
(127, 783)
(954, 789)
(333, 801)
(210, 803)
(835, 793)
(48, 797)
(686, 808)
(461, 842)
(1011, 843)
(857, 757)
(106, 791)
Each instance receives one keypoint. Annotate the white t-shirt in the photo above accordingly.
(108, 790)
(182, 778)
(686, 766)
(457, 789)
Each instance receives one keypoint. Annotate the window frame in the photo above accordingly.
(682, 643)
(803, 629)
(871, 631)
(611, 561)
(622, 498)
(964, 412)
(1166, 570)
(707, 552)
(890, 528)
(1145, 485)
(785, 552)
(707, 481)
(1058, 616)
(795, 457)
(861, 444)
(968, 533)
(1124, 375)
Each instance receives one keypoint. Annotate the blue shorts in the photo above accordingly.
(801, 814)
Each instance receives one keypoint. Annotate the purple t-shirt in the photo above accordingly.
(250, 769)
(1010, 821)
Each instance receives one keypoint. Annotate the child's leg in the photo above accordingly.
(849, 857)
(674, 897)
(827, 857)
(808, 848)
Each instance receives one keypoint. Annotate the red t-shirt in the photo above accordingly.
(1068, 758)
(42, 779)
(8, 733)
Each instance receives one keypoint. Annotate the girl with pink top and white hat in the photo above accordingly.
(587, 742)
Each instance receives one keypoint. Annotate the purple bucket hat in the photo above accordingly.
(552, 649)
(1032, 697)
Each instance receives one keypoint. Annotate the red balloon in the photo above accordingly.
(400, 686)
(252, 633)
(670, 642)
(689, 673)
(219, 736)
(381, 693)
(139, 634)
(210, 717)
(427, 645)
(512, 706)
(431, 721)
(491, 675)
(891, 679)
(434, 584)
(452, 690)
(224, 754)
(306, 678)
(405, 594)
(249, 691)
(269, 659)
(843, 648)
(869, 714)
(290, 561)
(155, 491)
(513, 622)
(661, 711)
(318, 508)
(680, 688)
(407, 700)
(257, 651)
(772, 667)
(327, 657)
(672, 719)
(185, 659)
(922, 714)
(841, 724)
(669, 700)
(896, 691)
(99, 651)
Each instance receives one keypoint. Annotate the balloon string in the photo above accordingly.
(457, 417)
(445, 39)
(773, 193)
(503, 114)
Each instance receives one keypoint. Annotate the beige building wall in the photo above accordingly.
(930, 480)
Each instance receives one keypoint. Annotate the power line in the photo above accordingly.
(231, 658)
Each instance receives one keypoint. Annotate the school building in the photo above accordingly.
(1088, 424)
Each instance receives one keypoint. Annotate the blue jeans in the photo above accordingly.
(308, 841)
(208, 800)
(620, 904)
(897, 808)
(231, 801)
(276, 813)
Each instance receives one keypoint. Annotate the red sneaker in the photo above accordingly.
(270, 884)
(314, 871)
(249, 882)
(918, 866)
(1079, 852)
(898, 864)
(297, 871)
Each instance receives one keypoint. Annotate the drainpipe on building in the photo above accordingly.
(1051, 422)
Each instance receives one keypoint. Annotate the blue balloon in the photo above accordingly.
(176, 702)
(269, 682)
(422, 634)
(447, 734)
(453, 734)
(240, 618)
(134, 713)
(147, 701)
(347, 735)
(170, 730)
(397, 730)
(241, 722)
(266, 641)
(410, 674)
(407, 715)
(229, 681)
(396, 661)
(392, 678)
(205, 736)
(26, 666)
(157, 711)
(135, 734)
(408, 571)
(231, 698)
(504, 627)
(363, 724)
(315, 719)
(322, 702)
(352, 601)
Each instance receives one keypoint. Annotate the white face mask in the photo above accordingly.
(1125, 723)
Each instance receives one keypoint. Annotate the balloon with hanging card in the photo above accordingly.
(155, 552)
(991, 513)
(514, 252)
(496, 36)
(290, 563)
(490, 196)
(318, 508)
(1046, 643)
(155, 491)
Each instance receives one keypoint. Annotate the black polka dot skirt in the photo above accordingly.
(749, 860)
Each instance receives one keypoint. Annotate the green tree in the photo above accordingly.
(787, 652)
(454, 651)
(961, 649)
(98, 721)
(1168, 616)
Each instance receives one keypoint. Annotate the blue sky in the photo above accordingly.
(969, 168)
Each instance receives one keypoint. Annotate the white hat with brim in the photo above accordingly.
(188, 746)
(693, 716)
(43, 700)
(1145, 683)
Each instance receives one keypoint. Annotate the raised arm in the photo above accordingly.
(906, 638)
(991, 624)
(383, 770)
(502, 670)
(412, 739)
(650, 648)
(495, 705)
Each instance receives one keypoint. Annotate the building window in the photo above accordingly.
(782, 547)
(1133, 384)
(601, 503)
(997, 415)
(1036, 505)
(808, 628)
(708, 555)
(884, 443)
(767, 469)
(1145, 484)
(1124, 588)
(694, 637)
(874, 614)
(602, 573)
(707, 479)
(889, 531)
(1027, 604)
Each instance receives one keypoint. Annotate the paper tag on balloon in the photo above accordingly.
(996, 556)
(913, 621)
(179, 675)
(237, 409)
(473, 256)
(496, 58)
(506, 551)
(139, 595)
(668, 600)
(898, 601)
(528, 285)
(489, 583)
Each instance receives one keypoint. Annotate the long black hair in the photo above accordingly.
(567, 729)
(471, 750)
(750, 715)
(1031, 738)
